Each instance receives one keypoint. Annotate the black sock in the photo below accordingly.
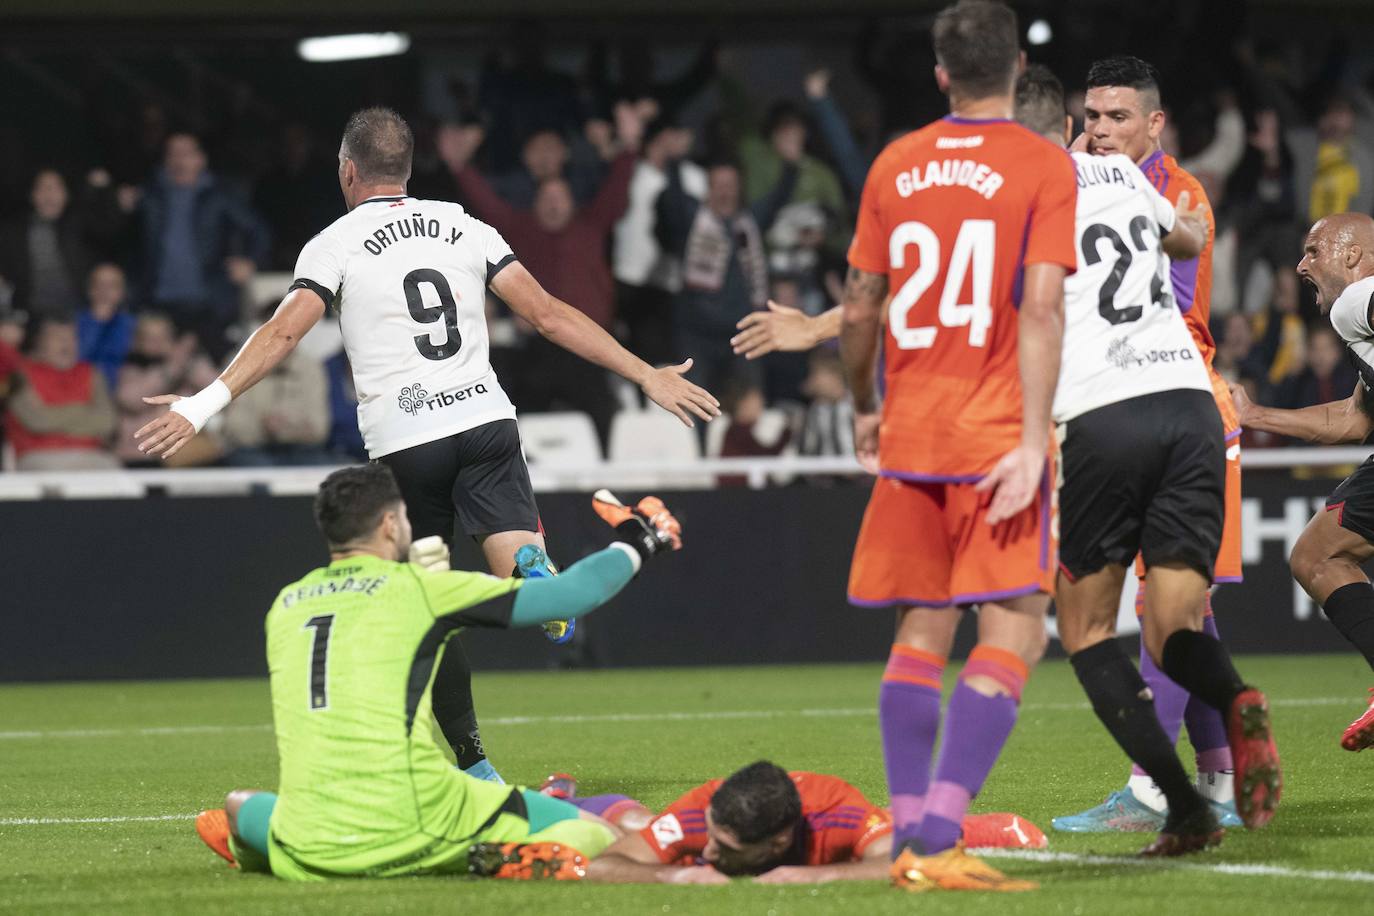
(1350, 609)
(453, 706)
(1201, 665)
(1122, 701)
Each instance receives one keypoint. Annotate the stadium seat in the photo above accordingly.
(656, 436)
(559, 439)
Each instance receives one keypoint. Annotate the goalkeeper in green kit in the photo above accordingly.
(365, 789)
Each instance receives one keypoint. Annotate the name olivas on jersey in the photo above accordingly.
(414, 398)
(413, 226)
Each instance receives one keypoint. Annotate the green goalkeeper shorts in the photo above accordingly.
(547, 820)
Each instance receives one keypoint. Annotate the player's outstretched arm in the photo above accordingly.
(864, 293)
(876, 864)
(1326, 424)
(575, 332)
(784, 329)
(630, 860)
(1040, 334)
(1189, 235)
(265, 349)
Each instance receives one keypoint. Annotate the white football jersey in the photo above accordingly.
(410, 277)
(1350, 318)
(1123, 335)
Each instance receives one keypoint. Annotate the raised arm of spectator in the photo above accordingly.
(572, 330)
(675, 210)
(1221, 156)
(614, 194)
(252, 236)
(767, 207)
(835, 132)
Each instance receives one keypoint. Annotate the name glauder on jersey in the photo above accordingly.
(1093, 173)
(943, 173)
(408, 227)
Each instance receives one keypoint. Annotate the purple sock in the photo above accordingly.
(600, 804)
(976, 727)
(909, 717)
(1170, 699)
(1207, 726)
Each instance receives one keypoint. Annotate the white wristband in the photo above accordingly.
(204, 404)
(635, 559)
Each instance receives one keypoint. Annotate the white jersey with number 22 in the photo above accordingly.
(409, 278)
(1123, 335)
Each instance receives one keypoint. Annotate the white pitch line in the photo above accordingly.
(45, 821)
(1244, 869)
(705, 715)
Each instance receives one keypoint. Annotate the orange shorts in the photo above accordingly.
(927, 544)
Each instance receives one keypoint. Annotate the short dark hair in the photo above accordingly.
(352, 501)
(782, 113)
(1040, 101)
(757, 802)
(1128, 72)
(978, 44)
(380, 143)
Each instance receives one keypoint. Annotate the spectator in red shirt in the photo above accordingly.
(562, 246)
(60, 416)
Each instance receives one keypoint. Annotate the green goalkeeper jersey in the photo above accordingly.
(352, 649)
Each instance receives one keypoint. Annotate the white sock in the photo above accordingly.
(1146, 792)
(1218, 785)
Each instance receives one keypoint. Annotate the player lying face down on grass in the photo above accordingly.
(1338, 263)
(352, 649)
(1143, 473)
(781, 827)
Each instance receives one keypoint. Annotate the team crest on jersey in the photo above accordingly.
(667, 831)
(412, 398)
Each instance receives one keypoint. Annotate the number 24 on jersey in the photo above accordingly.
(974, 250)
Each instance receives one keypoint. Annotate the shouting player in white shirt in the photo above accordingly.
(1143, 472)
(409, 280)
(1338, 262)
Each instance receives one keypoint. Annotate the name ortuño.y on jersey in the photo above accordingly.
(409, 278)
(1123, 334)
(1350, 318)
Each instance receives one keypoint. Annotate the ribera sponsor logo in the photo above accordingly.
(1124, 356)
(414, 398)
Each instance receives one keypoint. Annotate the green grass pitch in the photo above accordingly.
(137, 752)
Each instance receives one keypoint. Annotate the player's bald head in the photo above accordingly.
(978, 45)
(379, 143)
(1338, 250)
(1344, 231)
(1040, 102)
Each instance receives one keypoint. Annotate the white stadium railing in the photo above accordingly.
(691, 474)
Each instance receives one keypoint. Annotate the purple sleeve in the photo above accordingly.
(1184, 277)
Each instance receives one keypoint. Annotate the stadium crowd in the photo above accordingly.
(142, 274)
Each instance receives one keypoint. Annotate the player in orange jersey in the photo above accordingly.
(969, 223)
(783, 827)
(1123, 114)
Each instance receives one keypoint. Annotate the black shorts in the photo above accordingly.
(1353, 501)
(1145, 475)
(477, 477)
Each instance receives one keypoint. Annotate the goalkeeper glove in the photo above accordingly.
(430, 553)
(649, 527)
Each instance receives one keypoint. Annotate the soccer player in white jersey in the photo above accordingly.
(1338, 262)
(1143, 471)
(409, 280)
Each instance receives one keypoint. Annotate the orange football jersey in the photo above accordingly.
(1192, 280)
(951, 213)
(839, 822)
